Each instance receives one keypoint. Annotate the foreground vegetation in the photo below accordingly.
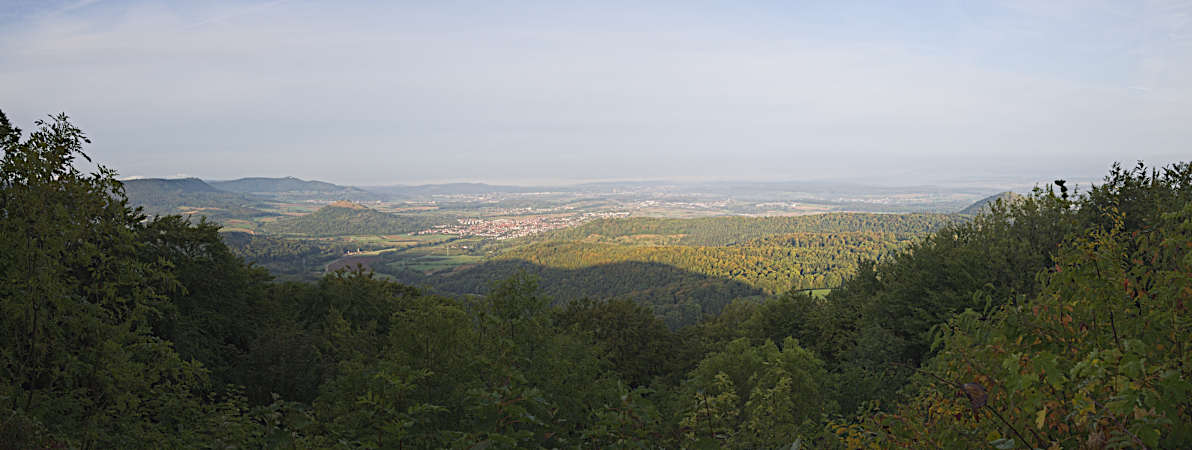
(1057, 320)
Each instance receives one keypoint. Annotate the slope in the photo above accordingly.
(983, 204)
(714, 231)
(340, 219)
(189, 196)
(294, 188)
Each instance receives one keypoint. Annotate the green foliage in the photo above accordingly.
(291, 187)
(335, 220)
(879, 324)
(1097, 359)
(984, 204)
(633, 423)
(680, 297)
(1051, 321)
(756, 396)
(628, 335)
(685, 283)
(286, 259)
(181, 196)
(721, 231)
(76, 302)
(774, 264)
(215, 312)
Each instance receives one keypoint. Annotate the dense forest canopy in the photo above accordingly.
(335, 219)
(775, 264)
(717, 231)
(1059, 320)
(672, 266)
(165, 197)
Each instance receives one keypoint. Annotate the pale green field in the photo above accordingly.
(433, 263)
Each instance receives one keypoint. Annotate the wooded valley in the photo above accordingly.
(1056, 320)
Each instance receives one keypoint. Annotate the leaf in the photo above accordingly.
(1041, 418)
(707, 443)
(976, 395)
(1002, 444)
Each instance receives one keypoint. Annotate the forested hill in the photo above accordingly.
(290, 187)
(767, 255)
(160, 196)
(1053, 322)
(345, 218)
(170, 185)
(681, 283)
(677, 296)
(986, 203)
(717, 231)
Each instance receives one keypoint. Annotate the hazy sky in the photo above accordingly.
(522, 91)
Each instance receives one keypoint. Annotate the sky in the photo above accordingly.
(376, 93)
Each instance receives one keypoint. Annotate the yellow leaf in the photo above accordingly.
(1041, 418)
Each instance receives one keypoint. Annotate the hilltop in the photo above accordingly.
(176, 185)
(983, 204)
(160, 196)
(290, 187)
(346, 218)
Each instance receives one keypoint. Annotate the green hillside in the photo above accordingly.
(680, 283)
(345, 218)
(592, 260)
(290, 187)
(774, 265)
(984, 204)
(714, 231)
(169, 185)
(190, 196)
(678, 297)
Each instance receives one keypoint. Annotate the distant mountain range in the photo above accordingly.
(174, 185)
(258, 196)
(189, 196)
(168, 194)
(289, 188)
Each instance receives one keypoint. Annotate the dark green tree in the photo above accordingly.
(76, 304)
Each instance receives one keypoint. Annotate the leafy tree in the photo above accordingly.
(636, 343)
(756, 396)
(215, 312)
(76, 302)
(1095, 360)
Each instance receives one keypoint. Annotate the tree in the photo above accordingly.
(756, 396)
(1096, 359)
(215, 312)
(76, 303)
(634, 341)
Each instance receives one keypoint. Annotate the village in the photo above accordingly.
(510, 228)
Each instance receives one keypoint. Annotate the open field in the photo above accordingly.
(430, 263)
